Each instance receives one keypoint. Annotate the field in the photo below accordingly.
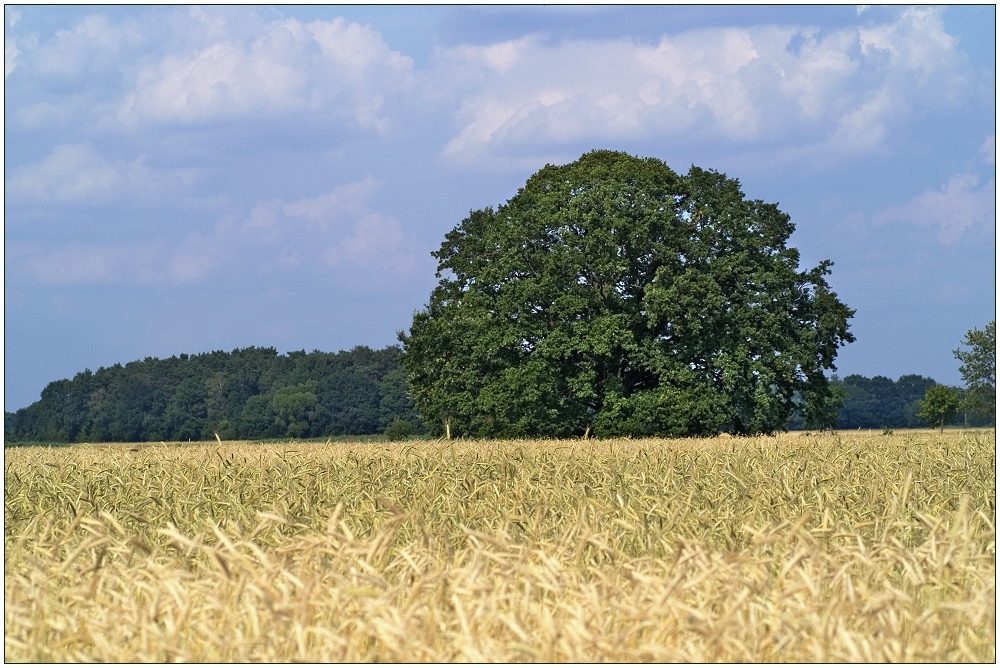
(801, 547)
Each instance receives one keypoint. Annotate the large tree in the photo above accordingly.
(614, 296)
(979, 369)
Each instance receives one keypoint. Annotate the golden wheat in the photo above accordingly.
(847, 547)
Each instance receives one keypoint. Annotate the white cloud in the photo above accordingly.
(863, 130)
(350, 199)
(988, 150)
(289, 66)
(92, 43)
(191, 265)
(339, 229)
(916, 42)
(10, 53)
(48, 114)
(79, 174)
(827, 93)
(264, 217)
(149, 262)
(10, 50)
(83, 264)
(956, 206)
(376, 244)
(70, 173)
(839, 92)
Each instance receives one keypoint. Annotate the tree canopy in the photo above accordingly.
(613, 296)
(939, 406)
(248, 393)
(979, 369)
(880, 402)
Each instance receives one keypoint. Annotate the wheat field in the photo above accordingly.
(799, 547)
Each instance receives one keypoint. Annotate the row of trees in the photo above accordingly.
(351, 393)
(979, 371)
(247, 393)
(881, 403)
(610, 296)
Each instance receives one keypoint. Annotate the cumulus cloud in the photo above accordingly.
(289, 66)
(83, 264)
(352, 235)
(92, 43)
(336, 231)
(801, 89)
(79, 174)
(375, 245)
(959, 204)
(165, 67)
(339, 230)
(917, 43)
(10, 50)
(71, 173)
(350, 199)
(988, 150)
(838, 92)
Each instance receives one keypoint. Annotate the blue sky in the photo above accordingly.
(181, 180)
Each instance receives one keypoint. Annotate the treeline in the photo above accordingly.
(256, 393)
(247, 393)
(881, 403)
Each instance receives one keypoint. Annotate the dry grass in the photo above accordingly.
(849, 547)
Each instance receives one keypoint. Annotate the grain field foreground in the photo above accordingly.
(846, 547)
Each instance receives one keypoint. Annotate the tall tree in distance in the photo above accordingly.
(979, 369)
(613, 296)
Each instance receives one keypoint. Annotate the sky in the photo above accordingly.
(188, 179)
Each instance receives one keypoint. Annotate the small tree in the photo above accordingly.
(939, 406)
(979, 370)
(399, 430)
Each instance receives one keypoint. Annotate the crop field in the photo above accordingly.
(854, 546)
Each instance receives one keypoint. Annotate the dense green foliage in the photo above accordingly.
(939, 406)
(615, 297)
(248, 393)
(881, 403)
(610, 296)
(979, 370)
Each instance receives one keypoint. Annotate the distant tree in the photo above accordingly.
(351, 401)
(612, 295)
(394, 402)
(399, 430)
(979, 370)
(939, 406)
(186, 413)
(878, 403)
(257, 419)
(822, 412)
(296, 409)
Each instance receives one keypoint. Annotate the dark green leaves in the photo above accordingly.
(613, 294)
(979, 369)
